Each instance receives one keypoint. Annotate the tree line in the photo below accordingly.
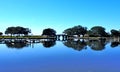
(96, 31)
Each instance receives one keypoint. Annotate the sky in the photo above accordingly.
(59, 14)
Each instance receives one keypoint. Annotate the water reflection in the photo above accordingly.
(49, 43)
(77, 45)
(16, 44)
(114, 44)
(96, 45)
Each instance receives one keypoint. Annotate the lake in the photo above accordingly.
(60, 56)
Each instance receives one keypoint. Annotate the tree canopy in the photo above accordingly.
(115, 32)
(17, 30)
(97, 31)
(49, 32)
(1, 33)
(76, 30)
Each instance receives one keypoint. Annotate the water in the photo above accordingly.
(60, 56)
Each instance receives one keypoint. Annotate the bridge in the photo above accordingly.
(62, 37)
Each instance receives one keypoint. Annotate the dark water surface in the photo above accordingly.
(58, 56)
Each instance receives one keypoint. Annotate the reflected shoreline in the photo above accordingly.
(76, 44)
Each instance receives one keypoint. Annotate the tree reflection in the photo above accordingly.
(114, 44)
(49, 43)
(18, 44)
(77, 45)
(97, 44)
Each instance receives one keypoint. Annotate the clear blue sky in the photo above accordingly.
(59, 14)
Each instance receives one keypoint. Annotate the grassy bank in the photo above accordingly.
(24, 37)
(46, 37)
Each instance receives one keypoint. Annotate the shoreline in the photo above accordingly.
(45, 37)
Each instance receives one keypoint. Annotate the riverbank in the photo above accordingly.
(24, 37)
(47, 37)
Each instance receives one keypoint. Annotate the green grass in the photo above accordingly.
(24, 37)
(43, 37)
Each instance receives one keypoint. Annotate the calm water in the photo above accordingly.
(60, 56)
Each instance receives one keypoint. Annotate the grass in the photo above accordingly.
(24, 37)
(46, 37)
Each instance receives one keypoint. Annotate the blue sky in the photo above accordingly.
(59, 14)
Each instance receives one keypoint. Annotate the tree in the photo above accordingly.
(1, 33)
(83, 31)
(26, 31)
(68, 31)
(97, 31)
(10, 30)
(49, 32)
(115, 33)
(79, 30)
(17, 30)
(76, 30)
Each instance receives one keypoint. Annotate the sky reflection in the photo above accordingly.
(59, 58)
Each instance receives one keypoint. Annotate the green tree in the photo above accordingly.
(49, 32)
(68, 31)
(76, 30)
(17, 30)
(10, 30)
(1, 33)
(115, 33)
(97, 31)
(26, 31)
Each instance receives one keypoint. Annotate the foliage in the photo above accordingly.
(49, 32)
(17, 30)
(115, 32)
(97, 31)
(76, 30)
(1, 33)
